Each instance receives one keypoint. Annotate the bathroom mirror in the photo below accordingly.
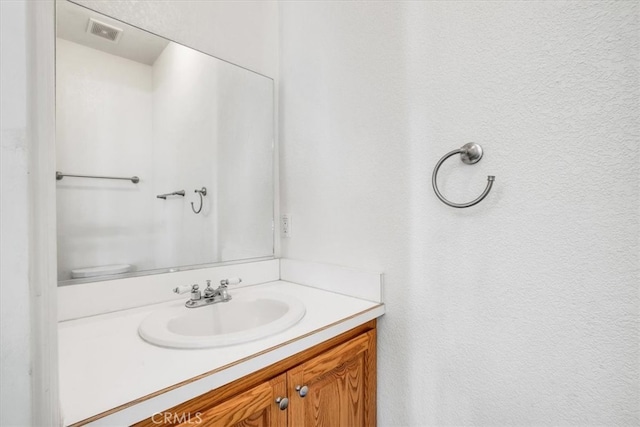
(187, 137)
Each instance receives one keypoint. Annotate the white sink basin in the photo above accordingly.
(250, 315)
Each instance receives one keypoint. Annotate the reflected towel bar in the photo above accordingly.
(175, 193)
(469, 153)
(60, 175)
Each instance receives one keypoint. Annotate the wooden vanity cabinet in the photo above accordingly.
(332, 384)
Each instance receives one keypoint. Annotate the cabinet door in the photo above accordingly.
(256, 407)
(339, 386)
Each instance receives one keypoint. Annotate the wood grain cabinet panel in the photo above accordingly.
(256, 407)
(335, 388)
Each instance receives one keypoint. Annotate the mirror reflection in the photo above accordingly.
(196, 131)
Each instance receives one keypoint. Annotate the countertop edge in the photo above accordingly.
(145, 407)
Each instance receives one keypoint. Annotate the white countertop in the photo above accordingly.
(104, 363)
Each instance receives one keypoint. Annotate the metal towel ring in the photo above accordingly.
(469, 153)
(202, 192)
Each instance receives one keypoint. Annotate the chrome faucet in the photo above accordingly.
(210, 295)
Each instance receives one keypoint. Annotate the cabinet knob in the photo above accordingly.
(302, 390)
(282, 402)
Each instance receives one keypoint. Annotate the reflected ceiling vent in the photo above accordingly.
(103, 30)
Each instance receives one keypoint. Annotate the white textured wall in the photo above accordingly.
(522, 310)
(15, 352)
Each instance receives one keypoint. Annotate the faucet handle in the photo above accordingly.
(195, 293)
(182, 289)
(231, 281)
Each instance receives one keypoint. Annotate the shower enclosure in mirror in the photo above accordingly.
(196, 131)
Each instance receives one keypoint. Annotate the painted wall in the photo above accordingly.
(524, 309)
(15, 352)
